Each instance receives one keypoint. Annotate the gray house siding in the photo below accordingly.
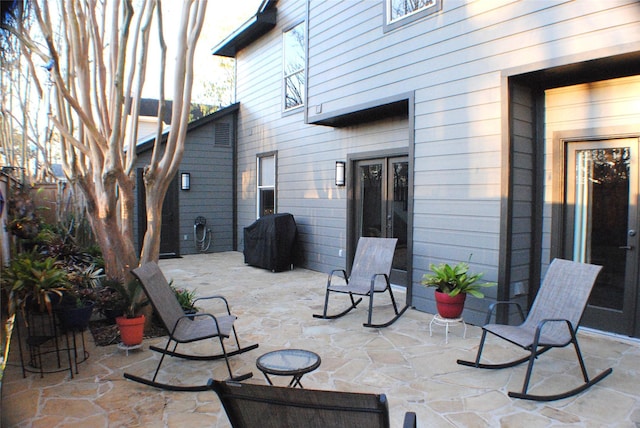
(473, 140)
(210, 163)
(209, 159)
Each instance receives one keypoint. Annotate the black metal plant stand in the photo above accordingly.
(47, 348)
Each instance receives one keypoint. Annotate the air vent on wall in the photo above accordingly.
(222, 134)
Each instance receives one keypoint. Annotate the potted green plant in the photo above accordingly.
(186, 298)
(33, 281)
(452, 284)
(78, 301)
(131, 323)
(109, 301)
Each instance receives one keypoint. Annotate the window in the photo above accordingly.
(294, 63)
(408, 11)
(266, 184)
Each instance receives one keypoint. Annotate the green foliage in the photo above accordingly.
(132, 295)
(108, 298)
(22, 218)
(185, 297)
(31, 276)
(454, 280)
(84, 281)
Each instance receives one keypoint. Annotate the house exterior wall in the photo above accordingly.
(454, 63)
(208, 157)
(591, 108)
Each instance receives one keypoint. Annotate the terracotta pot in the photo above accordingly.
(131, 330)
(450, 307)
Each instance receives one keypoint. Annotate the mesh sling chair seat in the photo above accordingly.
(552, 322)
(262, 406)
(369, 275)
(184, 328)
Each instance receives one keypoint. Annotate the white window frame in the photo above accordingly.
(298, 73)
(265, 183)
(392, 23)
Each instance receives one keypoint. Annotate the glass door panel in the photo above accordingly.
(601, 222)
(371, 216)
(398, 210)
(382, 189)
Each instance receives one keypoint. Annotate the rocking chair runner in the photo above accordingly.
(369, 275)
(261, 406)
(552, 323)
(185, 328)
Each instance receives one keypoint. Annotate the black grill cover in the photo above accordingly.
(269, 242)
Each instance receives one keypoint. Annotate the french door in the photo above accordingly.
(381, 208)
(601, 226)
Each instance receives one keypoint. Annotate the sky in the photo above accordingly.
(223, 17)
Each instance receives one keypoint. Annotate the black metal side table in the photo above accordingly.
(288, 362)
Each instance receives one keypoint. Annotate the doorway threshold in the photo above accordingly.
(635, 340)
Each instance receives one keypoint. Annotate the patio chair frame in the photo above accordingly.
(186, 328)
(567, 285)
(264, 406)
(373, 260)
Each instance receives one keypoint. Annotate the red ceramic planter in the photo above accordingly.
(450, 307)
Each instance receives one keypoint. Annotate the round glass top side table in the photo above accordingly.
(288, 362)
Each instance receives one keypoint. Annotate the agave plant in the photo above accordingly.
(133, 295)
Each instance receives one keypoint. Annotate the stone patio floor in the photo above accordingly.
(416, 371)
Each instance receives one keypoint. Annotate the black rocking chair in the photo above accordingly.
(552, 323)
(261, 406)
(369, 275)
(184, 328)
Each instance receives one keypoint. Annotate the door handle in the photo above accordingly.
(626, 247)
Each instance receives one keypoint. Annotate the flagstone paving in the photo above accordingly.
(416, 371)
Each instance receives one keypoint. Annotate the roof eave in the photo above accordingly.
(257, 26)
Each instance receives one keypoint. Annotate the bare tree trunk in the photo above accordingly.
(97, 68)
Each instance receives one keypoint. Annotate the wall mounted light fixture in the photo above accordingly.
(185, 181)
(340, 173)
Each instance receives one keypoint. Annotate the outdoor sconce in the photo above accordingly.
(340, 173)
(185, 181)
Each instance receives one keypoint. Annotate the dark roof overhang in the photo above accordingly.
(365, 113)
(257, 26)
(143, 146)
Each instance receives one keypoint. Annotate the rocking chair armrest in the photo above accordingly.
(226, 303)
(333, 272)
(493, 306)
(376, 275)
(543, 322)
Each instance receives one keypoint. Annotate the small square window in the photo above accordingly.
(401, 12)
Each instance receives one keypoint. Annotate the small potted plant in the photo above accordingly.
(186, 298)
(79, 300)
(33, 282)
(452, 284)
(109, 301)
(131, 323)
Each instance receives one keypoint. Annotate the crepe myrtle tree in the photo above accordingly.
(93, 53)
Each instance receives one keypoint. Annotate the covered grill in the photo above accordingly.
(270, 242)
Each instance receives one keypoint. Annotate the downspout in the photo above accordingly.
(306, 64)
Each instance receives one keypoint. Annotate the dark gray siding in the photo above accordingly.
(208, 157)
